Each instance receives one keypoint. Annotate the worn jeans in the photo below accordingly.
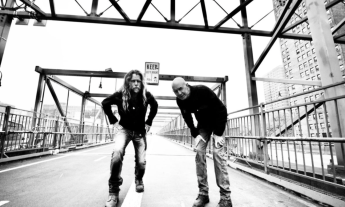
(220, 166)
(123, 137)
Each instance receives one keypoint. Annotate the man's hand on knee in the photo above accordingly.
(218, 141)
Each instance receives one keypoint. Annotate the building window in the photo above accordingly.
(318, 76)
(341, 67)
(322, 125)
(288, 57)
(286, 66)
(309, 53)
(312, 70)
(313, 78)
(302, 75)
(290, 72)
(299, 58)
(305, 64)
(284, 60)
(304, 90)
(317, 96)
(300, 67)
(307, 72)
(337, 48)
(311, 98)
(297, 51)
(315, 59)
(306, 99)
(313, 50)
(304, 56)
(320, 115)
(310, 62)
(339, 57)
(310, 88)
(317, 68)
(296, 43)
(330, 20)
(289, 64)
(322, 93)
(304, 30)
(302, 48)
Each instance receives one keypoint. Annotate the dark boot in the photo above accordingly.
(201, 200)
(113, 200)
(224, 203)
(139, 186)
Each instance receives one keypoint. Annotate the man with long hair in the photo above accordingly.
(211, 115)
(131, 100)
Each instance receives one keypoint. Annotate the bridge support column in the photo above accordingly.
(251, 85)
(330, 72)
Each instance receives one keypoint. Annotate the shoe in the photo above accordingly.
(201, 200)
(224, 203)
(113, 200)
(139, 186)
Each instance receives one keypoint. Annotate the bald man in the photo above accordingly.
(211, 115)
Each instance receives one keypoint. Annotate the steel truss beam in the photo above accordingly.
(94, 8)
(304, 19)
(119, 9)
(278, 31)
(162, 25)
(204, 12)
(105, 74)
(289, 81)
(34, 7)
(143, 11)
(231, 14)
(52, 7)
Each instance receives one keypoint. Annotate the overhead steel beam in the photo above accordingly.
(105, 74)
(72, 88)
(289, 81)
(94, 8)
(338, 26)
(276, 34)
(204, 12)
(52, 7)
(5, 26)
(172, 11)
(119, 9)
(282, 15)
(143, 11)
(34, 7)
(231, 14)
(339, 36)
(103, 95)
(304, 19)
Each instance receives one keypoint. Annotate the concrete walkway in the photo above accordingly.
(79, 178)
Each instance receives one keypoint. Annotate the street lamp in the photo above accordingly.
(100, 84)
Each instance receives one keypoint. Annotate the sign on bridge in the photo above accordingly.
(152, 73)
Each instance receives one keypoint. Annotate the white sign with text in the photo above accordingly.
(152, 73)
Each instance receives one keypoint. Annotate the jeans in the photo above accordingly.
(220, 166)
(123, 137)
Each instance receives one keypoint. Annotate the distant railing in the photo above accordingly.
(293, 141)
(23, 130)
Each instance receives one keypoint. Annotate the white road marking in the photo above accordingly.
(3, 202)
(35, 163)
(132, 199)
(100, 158)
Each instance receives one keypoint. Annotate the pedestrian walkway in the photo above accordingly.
(80, 178)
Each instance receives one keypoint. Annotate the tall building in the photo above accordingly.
(300, 62)
(274, 91)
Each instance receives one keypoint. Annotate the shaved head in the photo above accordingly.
(180, 88)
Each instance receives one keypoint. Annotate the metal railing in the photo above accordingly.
(23, 130)
(293, 141)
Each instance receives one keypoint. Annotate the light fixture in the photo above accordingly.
(100, 84)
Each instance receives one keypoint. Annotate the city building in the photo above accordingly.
(300, 62)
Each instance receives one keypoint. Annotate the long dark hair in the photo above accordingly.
(125, 89)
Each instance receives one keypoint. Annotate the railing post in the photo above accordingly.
(56, 129)
(44, 140)
(82, 131)
(5, 129)
(263, 135)
(96, 133)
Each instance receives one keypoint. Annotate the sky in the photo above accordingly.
(84, 46)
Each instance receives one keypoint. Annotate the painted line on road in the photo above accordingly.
(100, 158)
(132, 199)
(35, 163)
(3, 202)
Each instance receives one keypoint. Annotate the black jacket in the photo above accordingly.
(209, 111)
(134, 117)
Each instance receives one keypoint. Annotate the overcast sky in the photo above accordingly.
(83, 46)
